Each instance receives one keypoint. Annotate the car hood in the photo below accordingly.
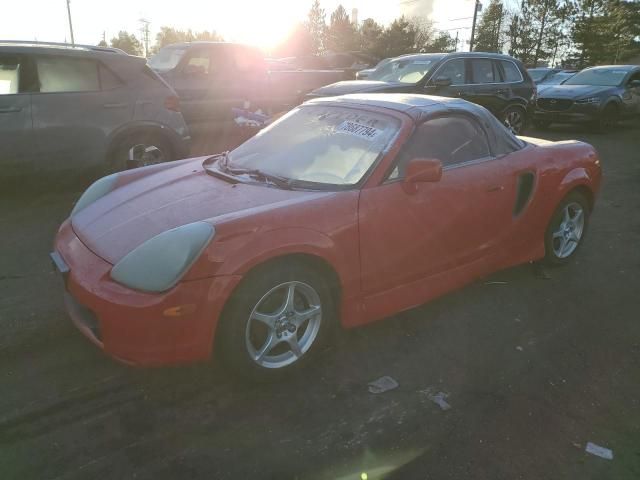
(133, 213)
(359, 86)
(572, 91)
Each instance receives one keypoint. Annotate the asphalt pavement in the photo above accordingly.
(532, 363)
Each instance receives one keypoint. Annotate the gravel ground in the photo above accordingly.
(535, 365)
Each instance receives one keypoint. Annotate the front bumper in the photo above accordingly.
(576, 113)
(139, 328)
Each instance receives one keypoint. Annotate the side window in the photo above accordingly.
(451, 139)
(635, 76)
(453, 69)
(63, 74)
(483, 71)
(511, 72)
(198, 62)
(9, 74)
(108, 79)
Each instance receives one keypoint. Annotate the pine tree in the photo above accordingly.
(317, 27)
(342, 36)
(489, 35)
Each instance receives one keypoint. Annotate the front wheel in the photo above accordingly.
(279, 317)
(566, 229)
(514, 118)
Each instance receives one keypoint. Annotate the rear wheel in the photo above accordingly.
(566, 229)
(276, 321)
(514, 118)
(140, 150)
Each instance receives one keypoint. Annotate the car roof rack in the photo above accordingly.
(36, 43)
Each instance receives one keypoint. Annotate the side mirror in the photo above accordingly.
(634, 84)
(442, 81)
(421, 170)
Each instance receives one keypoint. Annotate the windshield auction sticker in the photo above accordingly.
(358, 130)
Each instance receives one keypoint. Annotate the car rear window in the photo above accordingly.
(511, 71)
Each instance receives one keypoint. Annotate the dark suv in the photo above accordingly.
(70, 107)
(497, 82)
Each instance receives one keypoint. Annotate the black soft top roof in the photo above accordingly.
(423, 107)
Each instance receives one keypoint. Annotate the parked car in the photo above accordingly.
(364, 74)
(342, 212)
(211, 78)
(497, 82)
(65, 107)
(557, 79)
(599, 95)
(540, 74)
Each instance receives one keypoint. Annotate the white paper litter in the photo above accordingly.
(439, 398)
(383, 384)
(599, 451)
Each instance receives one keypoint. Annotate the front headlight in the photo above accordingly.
(158, 264)
(589, 100)
(97, 189)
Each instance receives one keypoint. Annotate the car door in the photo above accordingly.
(486, 87)
(444, 228)
(79, 104)
(16, 129)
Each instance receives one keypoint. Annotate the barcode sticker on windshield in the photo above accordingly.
(358, 130)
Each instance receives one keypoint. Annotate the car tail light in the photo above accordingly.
(172, 103)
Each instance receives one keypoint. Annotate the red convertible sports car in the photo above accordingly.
(344, 211)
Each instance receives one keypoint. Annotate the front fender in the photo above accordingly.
(237, 252)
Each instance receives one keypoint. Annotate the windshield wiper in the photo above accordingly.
(276, 180)
(223, 165)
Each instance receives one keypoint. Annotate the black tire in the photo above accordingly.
(608, 119)
(552, 240)
(515, 119)
(118, 157)
(232, 337)
(542, 124)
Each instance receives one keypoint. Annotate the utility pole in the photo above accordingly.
(73, 42)
(144, 29)
(477, 7)
(457, 33)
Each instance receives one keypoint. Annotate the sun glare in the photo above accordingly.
(263, 24)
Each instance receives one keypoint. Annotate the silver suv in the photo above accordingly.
(72, 107)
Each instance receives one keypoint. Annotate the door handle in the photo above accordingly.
(10, 109)
(115, 105)
(501, 91)
(495, 188)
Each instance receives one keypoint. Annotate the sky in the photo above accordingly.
(259, 22)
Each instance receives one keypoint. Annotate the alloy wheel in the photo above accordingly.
(567, 235)
(283, 325)
(514, 121)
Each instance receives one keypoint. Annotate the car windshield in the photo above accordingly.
(606, 77)
(402, 70)
(537, 74)
(167, 58)
(558, 78)
(323, 145)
